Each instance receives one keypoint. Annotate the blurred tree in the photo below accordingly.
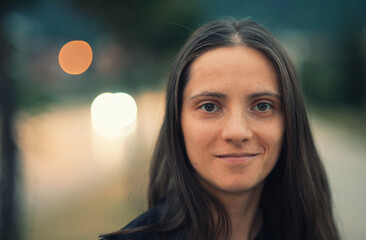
(9, 209)
(152, 31)
(352, 57)
(320, 81)
(145, 23)
(335, 73)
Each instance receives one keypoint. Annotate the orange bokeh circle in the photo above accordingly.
(75, 57)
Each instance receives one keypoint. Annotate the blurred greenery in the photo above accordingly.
(150, 33)
(351, 119)
(147, 35)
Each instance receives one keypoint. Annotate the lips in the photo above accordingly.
(237, 155)
(237, 158)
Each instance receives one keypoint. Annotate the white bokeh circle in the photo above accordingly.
(113, 113)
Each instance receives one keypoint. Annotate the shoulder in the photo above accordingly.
(149, 217)
(265, 234)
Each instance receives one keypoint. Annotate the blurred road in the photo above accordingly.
(77, 181)
(344, 156)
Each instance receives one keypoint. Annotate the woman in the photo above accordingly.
(235, 158)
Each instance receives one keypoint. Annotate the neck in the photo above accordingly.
(243, 209)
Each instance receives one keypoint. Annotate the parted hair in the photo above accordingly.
(296, 199)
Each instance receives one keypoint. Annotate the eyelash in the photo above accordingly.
(202, 107)
(216, 108)
(264, 103)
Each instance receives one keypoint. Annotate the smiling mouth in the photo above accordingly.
(237, 155)
(237, 158)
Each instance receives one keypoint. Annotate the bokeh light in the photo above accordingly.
(75, 57)
(113, 114)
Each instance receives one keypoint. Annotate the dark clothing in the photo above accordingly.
(152, 216)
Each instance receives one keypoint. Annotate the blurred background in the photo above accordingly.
(81, 89)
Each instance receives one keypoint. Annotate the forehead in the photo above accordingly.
(238, 67)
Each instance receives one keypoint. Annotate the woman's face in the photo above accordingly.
(232, 119)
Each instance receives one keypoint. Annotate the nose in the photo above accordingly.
(236, 128)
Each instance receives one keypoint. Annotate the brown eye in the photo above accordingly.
(262, 107)
(209, 107)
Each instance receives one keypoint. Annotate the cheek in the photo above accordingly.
(198, 139)
(271, 135)
(274, 137)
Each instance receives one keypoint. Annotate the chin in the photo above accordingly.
(235, 188)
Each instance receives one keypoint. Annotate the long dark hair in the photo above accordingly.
(296, 199)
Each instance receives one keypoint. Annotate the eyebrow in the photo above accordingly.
(221, 95)
(262, 94)
(208, 94)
